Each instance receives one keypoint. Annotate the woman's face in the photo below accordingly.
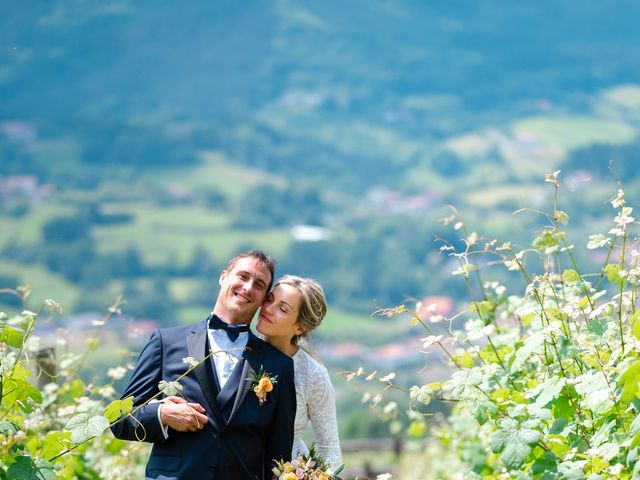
(279, 313)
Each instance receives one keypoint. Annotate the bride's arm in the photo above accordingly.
(321, 404)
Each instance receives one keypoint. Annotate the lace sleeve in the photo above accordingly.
(322, 413)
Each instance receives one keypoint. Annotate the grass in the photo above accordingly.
(193, 314)
(217, 172)
(44, 284)
(28, 229)
(349, 326)
(573, 132)
(469, 145)
(170, 234)
(626, 96)
(516, 195)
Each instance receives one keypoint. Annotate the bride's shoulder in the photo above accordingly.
(310, 364)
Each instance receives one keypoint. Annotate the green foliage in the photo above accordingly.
(57, 429)
(546, 382)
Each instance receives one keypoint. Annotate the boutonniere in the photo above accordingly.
(262, 383)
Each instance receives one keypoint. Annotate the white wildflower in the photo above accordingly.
(624, 217)
(192, 362)
(107, 391)
(618, 200)
(388, 378)
(552, 177)
(471, 239)
(53, 305)
(464, 270)
(51, 388)
(430, 340)
(598, 240)
(390, 408)
(116, 373)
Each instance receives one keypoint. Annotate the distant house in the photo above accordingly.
(436, 305)
(389, 201)
(19, 131)
(309, 233)
(23, 186)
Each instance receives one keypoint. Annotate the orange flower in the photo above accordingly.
(288, 467)
(323, 477)
(288, 476)
(265, 384)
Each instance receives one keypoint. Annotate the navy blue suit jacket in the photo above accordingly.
(242, 437)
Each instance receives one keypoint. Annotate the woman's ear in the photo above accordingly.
(299, 330)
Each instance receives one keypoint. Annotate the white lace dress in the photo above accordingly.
(316, 405)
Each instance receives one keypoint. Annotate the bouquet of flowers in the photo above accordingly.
(306, 467)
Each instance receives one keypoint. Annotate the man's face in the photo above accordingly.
(242, 290)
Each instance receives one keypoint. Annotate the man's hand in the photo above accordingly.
(182, 416)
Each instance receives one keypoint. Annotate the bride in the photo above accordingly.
(293, 308)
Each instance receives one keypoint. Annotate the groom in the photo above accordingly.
(218, 427)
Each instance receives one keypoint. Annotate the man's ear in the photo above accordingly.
(223, 275)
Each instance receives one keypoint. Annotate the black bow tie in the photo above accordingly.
(214, 322)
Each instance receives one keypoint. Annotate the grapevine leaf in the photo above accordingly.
(54, 443)
(563, 408)
(169, 388)
(26, 468)
(629, 381)
(548, 462)
(11, 336)
(595, 391)
(117, 408)
(635, 425)
(550, 390)
(570, 276)
(514, 443)
(635, 324)
(83, 426)
(571, 470)
(531, 345)
(613, 274)
(482, 410)
(597, 327)
(7, 427)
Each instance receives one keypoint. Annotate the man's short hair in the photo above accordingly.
(266, 260)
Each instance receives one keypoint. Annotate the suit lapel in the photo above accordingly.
(197, 345)
(254, 355)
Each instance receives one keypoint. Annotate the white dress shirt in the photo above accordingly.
(226, 354)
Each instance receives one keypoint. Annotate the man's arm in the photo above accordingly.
(280, 432)
(143, 385)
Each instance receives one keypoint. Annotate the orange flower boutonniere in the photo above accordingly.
(262, 383)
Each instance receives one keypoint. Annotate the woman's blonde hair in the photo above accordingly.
(313, 304)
